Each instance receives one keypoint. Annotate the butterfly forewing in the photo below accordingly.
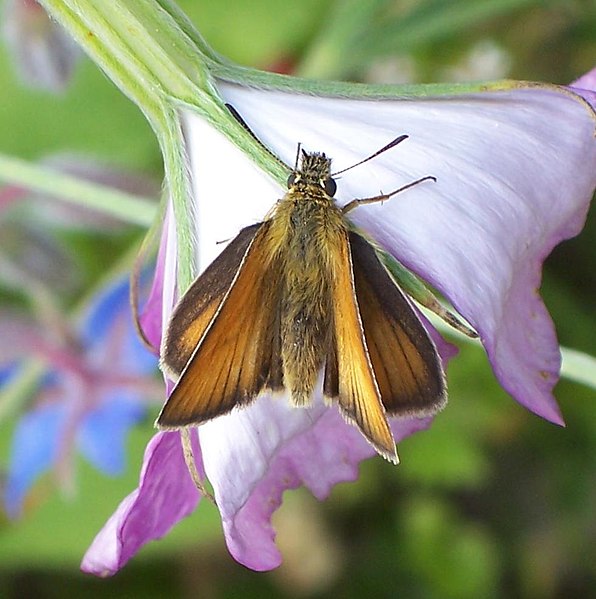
(195, 311)
(234, 360)
(407, 367)
(349, 377)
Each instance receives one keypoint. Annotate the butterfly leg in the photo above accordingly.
(384, 196)
(189, 459)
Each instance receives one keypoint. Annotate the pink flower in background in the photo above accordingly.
(43, 55)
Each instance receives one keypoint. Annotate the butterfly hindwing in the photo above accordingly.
(235, 357)
(407, 367)
(349, 377)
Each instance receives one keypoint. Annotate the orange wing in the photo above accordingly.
(195, 311)
(349, 377)
(238, 353)
(407, 367)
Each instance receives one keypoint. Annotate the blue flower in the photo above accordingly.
(95, 389)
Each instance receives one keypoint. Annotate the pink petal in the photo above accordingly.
(585, 86)
(320, 457)
(151, 317)
(165, 495)
(253, 455)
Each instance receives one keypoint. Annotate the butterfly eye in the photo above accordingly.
(330, 186)
(291, 179)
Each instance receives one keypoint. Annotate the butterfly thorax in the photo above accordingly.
(309, 232)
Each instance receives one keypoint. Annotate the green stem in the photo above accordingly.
(578, 367)
(129, 208)
(137, 44)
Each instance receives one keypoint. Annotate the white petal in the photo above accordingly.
(238, 448)
(230, 191)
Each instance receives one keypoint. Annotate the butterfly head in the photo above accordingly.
(315, 170)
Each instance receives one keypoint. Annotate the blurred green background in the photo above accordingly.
(491, 501)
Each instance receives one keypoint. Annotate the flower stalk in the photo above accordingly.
(119, 204)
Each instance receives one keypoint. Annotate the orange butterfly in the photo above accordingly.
(297, 294)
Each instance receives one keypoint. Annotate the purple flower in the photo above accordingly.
(43, 54)
(515, 175)
(94, 390)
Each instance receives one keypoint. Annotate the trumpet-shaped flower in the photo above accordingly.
(515, 176)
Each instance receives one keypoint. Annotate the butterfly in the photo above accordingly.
(299, 294)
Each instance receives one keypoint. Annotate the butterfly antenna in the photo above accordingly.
(297, 156)
(237, 116)
(390, 145)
